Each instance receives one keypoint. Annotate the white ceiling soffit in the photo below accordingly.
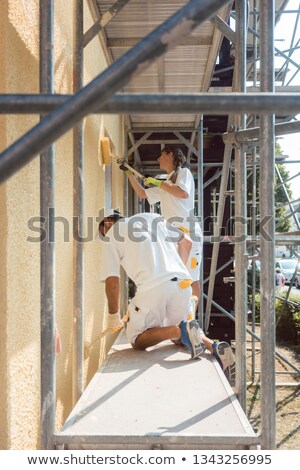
(186, 68)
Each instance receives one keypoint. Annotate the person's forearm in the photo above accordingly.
(112, 289)
(174, 190)
(137, 187)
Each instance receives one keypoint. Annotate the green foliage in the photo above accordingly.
(280, 198)
(279, 192)
(287, 317)
(257, 306)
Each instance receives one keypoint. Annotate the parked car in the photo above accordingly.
(287, 267)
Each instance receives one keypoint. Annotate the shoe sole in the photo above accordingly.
(228, 361)
(194, 333)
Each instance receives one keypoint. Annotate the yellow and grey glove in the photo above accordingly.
(155, 182)
(125, 169)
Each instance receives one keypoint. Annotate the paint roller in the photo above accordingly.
(89, 345)
(107, 155)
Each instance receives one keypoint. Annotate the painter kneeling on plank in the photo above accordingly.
(153, 254)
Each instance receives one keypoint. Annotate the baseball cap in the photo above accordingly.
(109, 212)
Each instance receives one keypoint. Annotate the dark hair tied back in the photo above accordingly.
(179, 159)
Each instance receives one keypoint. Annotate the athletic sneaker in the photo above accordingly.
(191, 337)
(225, 357)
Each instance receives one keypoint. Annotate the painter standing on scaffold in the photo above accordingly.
(152, 253)
(177, 197)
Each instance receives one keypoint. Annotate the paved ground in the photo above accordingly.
(287, 398)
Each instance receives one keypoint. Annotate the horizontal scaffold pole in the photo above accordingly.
(253, 133)
(280, 239)
(139, 58)
(212, 103)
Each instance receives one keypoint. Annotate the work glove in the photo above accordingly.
(153, 181)
(125, 169)
(113, 322)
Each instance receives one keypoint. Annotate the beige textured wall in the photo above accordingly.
(19, 200)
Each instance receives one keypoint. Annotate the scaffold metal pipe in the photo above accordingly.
(253, 133)
(57, 123)
(200, 212)
(267, 244)
(253, 249)
(103, 21)
(78, 215)
(254, 192)
(220, 215)
(278, 51)
(292, 210)
(47, 248)
(280, 239)
(218, 228)
(240, 227)
(212, 103)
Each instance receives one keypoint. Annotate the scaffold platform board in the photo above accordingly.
(157, 399)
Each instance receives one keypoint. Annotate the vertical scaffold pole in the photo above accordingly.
(200, 213)
(241, 214)
(48, 365)
(126, 212)
(253, 250)
(254, 195)
(78, 214)
(267, 231)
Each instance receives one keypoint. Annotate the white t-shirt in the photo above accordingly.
(173, 207)
(140, 244)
